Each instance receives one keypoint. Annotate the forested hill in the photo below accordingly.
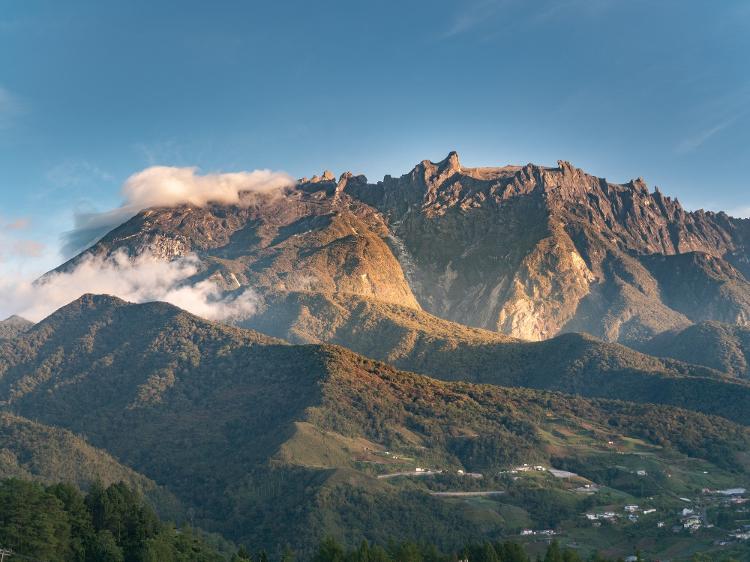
(414, 340)
(13, 326)
(271, 443)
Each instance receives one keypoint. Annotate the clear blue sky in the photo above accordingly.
(93, 91)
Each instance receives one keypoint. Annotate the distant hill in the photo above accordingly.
(272, 443)
(529, 251)
(35, 451)
(723, 347)
(51, 455)
(579, 364)
(12, 326)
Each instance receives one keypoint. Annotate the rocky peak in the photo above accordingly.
(433, 174)
(349, 180)
(326, 176)
(451, 162)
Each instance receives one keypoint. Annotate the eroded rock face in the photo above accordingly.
(305, 240)
(532, 251)
(529, 251)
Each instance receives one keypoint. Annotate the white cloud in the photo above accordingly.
(168, 186)
(142, 279)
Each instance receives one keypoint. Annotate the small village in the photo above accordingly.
(691, 518)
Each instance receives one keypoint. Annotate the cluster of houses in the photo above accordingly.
(730, 495)
(542, 533)
(525, 468)
(733, 492)
(741, 534)
(556, 472)
(420, 471)
(388, 454)
(690, 520)
(475, 475)
(738, 535)
(630, 512)
(587, 489)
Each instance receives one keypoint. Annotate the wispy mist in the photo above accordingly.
(141, 279)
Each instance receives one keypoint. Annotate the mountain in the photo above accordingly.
(528, 251)
(719, 346)
(271, 443)
(416, 341)
(532, 251)
(12, 326)
(34, 451)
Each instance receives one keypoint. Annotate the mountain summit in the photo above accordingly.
(529, 251)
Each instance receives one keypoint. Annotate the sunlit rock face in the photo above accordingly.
(530, 251)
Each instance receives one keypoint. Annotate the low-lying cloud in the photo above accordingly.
(168, 186)
(141, 279)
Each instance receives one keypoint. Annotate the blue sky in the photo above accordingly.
(94, 91)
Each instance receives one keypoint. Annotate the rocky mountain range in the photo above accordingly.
(530, 252)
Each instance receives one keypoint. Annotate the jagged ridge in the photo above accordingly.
(529, 251)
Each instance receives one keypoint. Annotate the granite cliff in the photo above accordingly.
(528, 251)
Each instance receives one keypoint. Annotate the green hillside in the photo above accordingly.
(272, 444)
(573, 363)
(34, 451)
(723, 347)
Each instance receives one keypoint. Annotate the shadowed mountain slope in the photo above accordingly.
(33, 450)
(720, 346)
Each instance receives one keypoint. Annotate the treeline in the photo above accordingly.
(113, 524)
